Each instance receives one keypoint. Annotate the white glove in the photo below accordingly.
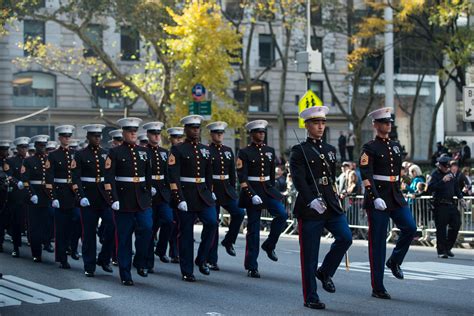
(153, 191)
(256, 200)
(55, 204)
(84, 202)
(380, 204)
(214, 197)
(20, 185)
(116, 206)
(34, 199)
(183, 206)
(317, 205)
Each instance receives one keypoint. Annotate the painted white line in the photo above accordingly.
(8, 301)
(25, 294)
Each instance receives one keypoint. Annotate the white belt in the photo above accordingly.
(220, 176)
(57, 180)
(157, 177)
(193, 180)
(259, 179)
(36, 182)
(130, 179)
(90, 179)
(385, 178)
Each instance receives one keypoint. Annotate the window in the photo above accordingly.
(233, 10)
(266, 50)
(107, 93)
(259, 96)
(317, 87)
(33, 30)
(30, 131)
(34, 89)
(129, 44)
(316, 13)
(94, 33)
(317, 43)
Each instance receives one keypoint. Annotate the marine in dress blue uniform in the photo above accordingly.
(224, 179)
(256, 172)
(90, 168)
(4, 220)
(117, 137)
(380, 167)
(317, 207)
(128, 172)
(191, 181)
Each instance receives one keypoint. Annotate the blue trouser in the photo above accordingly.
(90, 218)
(37, 223)
(48, 234)
(173, 251)
(63, 224)
(277, 210)
(162, 219)
(76, 232)
(310, 236)
(126, 223)
(16, 222)
(186, 237)
(236, 217)
(378, 223)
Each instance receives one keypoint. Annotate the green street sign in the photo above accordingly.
(200, 108)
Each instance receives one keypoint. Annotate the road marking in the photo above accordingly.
(424, 271)
(14, 290)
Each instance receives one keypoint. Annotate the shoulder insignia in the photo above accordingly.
(171, 160)
(23, 169)
(73, 164)
(239, 163)
(108, 163)
(6, 167)
(47, 164)
(364, 159)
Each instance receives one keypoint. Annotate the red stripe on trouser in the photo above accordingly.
(300, 237)
(371, 258)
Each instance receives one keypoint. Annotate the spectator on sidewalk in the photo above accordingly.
(465, 154)
(416, 177)
(350, 146)
(462, 180)
(341, 142)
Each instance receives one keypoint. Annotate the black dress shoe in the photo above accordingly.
(89, 274)
(75, 255)
(142, 272)
(204, 269)
(326, 281)
(115, 262)
(315, 305)
(396, 270)
(106, 267)
(189, 278)
(443, 255)
(175, 260)
(127, 282)
(381, 294)
(229, 248)
(213, 266)
(48, 248)
(270, 252)
(37, 259)
(450, 253)
(150, 271)
(164, 259)
(64, 265)
(253, 273)
(16, 253)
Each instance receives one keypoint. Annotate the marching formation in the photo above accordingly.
(138, 188)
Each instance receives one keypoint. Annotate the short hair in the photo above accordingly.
(416, 170)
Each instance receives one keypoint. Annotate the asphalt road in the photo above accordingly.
(432, 287)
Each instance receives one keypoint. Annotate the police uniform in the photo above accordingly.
(380, 167)
(224, 179)
(191, 182)
(33, 176)
(90, 168)
(17, 195)
(256, 172)
(61, 174)
(4, 215)
(312, 161)
(446, 214)
(162, 212)
(128, 172)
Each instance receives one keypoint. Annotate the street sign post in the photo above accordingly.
(468, 98)
(201, 108)
(309, 99)
(199, 92)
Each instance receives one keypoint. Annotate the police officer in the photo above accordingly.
(313, 169)
(33, 176)
(61, 174)
(117, 138)
(223, 178)
(256, 172)
(18, 196)
(380, 167)
(4, 220)
(176, 137)
(162, 212)
(191, 182)
(128, 175)
(444, 187)
(90, 168)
